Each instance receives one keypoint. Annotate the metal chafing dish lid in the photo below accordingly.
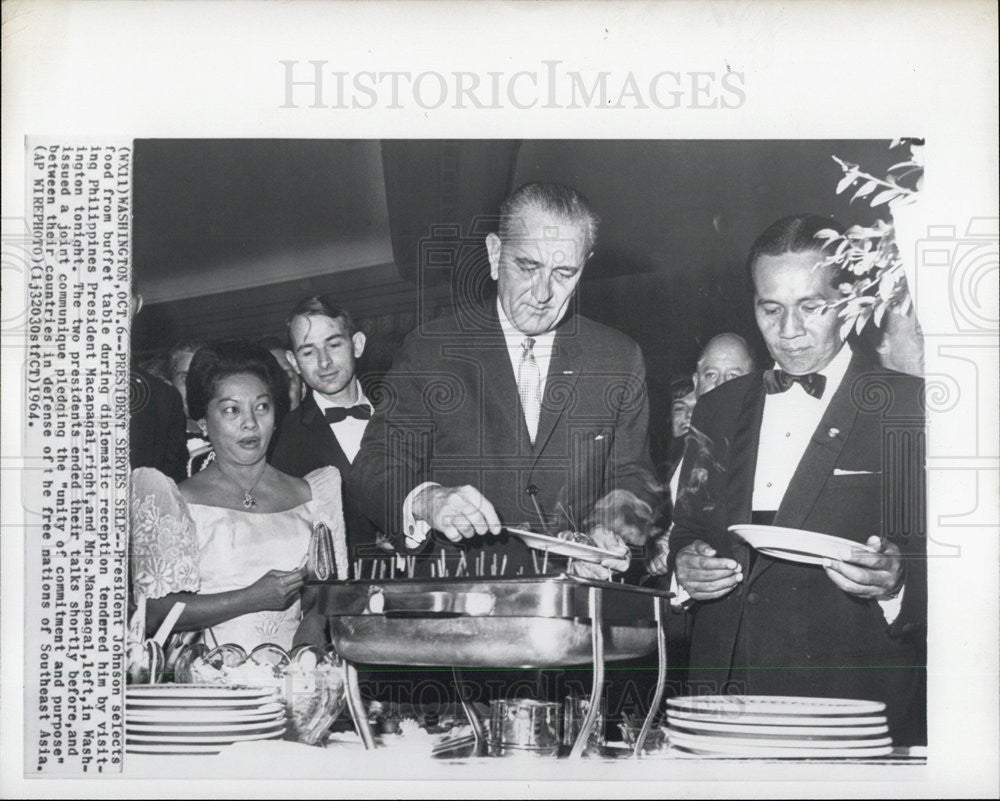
(559, 596)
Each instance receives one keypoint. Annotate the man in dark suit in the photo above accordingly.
(327, 427)
(517, 413)
(156, 422)
(826, 442)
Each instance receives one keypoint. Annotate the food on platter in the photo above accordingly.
(311, 683)
(578, 537)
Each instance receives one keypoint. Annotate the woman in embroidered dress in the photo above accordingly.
(230, 542)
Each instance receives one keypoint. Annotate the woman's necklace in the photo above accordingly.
(249, 502)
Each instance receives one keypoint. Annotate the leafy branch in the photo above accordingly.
(868, 255)
(891, 190)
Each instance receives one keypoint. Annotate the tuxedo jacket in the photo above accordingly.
(156, 426)
(305, 442)
(449, 412)
(787, 629)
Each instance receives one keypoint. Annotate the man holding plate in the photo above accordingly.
(515, 413)
(825, 442)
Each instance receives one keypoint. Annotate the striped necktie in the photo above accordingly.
(529, 387)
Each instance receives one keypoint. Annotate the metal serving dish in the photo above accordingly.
(538, 622)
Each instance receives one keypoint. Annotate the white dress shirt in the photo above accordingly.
(790, 418)
(350, 430)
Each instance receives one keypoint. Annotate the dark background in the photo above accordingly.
(229, 234)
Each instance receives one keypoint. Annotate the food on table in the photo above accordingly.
(269, 654)
(145, 662)
(144, 659)
(227, 655)
(183, 660)
(311, 684)
(413, 732)
(578, 537)
(315, 694)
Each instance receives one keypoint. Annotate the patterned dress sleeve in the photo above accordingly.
(164, 542)
(328, 501)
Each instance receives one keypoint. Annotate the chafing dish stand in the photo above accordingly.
(541, 622)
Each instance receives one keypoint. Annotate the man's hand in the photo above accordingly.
(658, 556)
(705, 576)
(878, 575)
(607, 539)
(457, 512)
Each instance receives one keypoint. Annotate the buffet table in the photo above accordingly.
(346, 758)
(523, 623)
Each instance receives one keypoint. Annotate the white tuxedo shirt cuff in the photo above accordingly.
(415, 531)
(681, 599)
(891, 606)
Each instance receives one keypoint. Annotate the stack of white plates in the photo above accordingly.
(772, 726)
(199, 719)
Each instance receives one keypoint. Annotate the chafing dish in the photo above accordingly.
(540, 622)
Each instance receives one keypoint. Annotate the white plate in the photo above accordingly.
(711, 742)
(205, 739)
(172, 748)
(790, 753)
(195, 703)
(135, 691)
(732, 707)
(797, 545)
(210, 715)
(685, 718)
(574, 550)
(201, 728)
(754, 730)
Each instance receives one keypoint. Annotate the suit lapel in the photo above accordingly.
(564, 372)
(329, 447)
(503, 424)
(820, 456)
(743, 466)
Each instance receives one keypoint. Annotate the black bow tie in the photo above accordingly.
(779, 381)
(337, 414)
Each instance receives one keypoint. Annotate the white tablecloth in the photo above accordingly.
(346, 758)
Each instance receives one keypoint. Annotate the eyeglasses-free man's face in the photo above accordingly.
(537, 268)
(791, 297)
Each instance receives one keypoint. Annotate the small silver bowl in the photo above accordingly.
(525, 726)
(574, 712)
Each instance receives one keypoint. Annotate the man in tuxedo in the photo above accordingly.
(327, 427)
(156, 420)
(520, 412)
(725, 357)
(829, 442)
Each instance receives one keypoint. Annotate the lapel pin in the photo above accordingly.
(834, 432)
